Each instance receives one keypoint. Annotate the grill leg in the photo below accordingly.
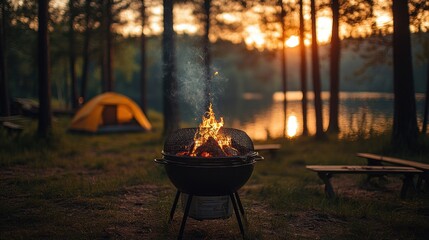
(237, 197)
(237, 214)
(185, 216)
(173, 208)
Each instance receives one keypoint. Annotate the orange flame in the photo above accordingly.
(209, 127)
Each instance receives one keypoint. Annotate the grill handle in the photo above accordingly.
(255, 157)
(160, 161)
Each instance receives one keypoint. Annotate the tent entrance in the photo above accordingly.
(117, 115)
(109, 115)
(118, 118)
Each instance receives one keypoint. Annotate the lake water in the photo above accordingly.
(360, 114)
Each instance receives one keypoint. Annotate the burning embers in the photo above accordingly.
(208, 141)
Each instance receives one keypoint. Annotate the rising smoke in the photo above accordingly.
(191, 82)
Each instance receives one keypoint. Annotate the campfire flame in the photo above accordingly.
(209, 128)
(208, 142)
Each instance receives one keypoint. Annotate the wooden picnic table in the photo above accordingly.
(325, 172)
(12, 128)
(378, 160)
(272, 148)
(260, 147)
(374, 159)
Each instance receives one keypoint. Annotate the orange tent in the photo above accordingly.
(110, 112)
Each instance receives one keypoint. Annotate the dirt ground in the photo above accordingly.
(141, 211)
(264, 221)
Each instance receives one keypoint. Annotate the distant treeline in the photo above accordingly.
(240, 70)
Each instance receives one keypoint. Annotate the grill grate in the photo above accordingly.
(182, 140)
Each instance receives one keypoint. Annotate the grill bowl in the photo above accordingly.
(206, 180)
(215, 176)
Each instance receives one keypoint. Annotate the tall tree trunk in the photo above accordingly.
(170, 101)
(72, 58)
(303, 69)
(425, 112)
(4, 96)
(316, 74)
(206, 53)
(283, 62)
(85, 53)
(45, 118)
(143, 80)
(405, 129)
(335, 69)
(109, 37)
(103, 56)
(103, 72)
(107, 47)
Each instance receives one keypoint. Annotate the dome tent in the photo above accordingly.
(110, 112)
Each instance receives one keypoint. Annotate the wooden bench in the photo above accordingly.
(325, 172)
(272, 148)
(11, 118)
(12, 128)
(378, 160)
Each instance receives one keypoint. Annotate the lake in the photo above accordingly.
(361, 114)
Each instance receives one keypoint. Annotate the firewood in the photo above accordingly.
(240, 148)
(230, 151)
(212, 147)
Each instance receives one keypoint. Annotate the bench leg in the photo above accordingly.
(423, 177)
(426, 180)
(329, 190)
(419, 182)
(407, 183)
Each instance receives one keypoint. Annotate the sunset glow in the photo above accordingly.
(293, 41)
(129, 29)
(254, 36)
(229, 18)
(184, 20)
(252, 31)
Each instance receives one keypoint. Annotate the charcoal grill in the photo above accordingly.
(213, 176)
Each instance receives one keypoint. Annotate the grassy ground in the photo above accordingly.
(108, 187)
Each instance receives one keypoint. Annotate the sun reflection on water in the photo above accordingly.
(361, 115)
(292, 126)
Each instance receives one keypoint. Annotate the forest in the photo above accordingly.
(214, 119)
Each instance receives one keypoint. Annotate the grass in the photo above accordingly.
(74, 186)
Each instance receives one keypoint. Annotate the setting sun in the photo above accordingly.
(324, 28)
(293, 41)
